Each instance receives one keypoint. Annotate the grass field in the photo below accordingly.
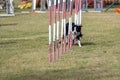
(24, 49)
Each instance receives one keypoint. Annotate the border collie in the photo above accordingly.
(76, 32)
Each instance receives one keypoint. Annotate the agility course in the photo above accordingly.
(58, 45)
(24, 48)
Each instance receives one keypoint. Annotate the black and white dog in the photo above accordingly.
(76, 32)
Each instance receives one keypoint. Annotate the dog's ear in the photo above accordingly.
(78, 28)
(67, 24)
(81, 26)
(81, 34)
(73, 23)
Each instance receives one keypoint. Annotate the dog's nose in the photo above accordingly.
(75, 33)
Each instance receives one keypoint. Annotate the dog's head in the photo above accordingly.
(76, 30)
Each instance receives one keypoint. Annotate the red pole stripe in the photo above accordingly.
(54, 13)
(50, 15)
(80, 5)
(59, 12)
(64, 10)
(71, 8)
(75, 5)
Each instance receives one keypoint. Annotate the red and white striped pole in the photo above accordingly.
(62, 30)
(61, 46)
(76, 17)
(58, 27)
(64, 25)
(70, 24)
(79, 17)
(54, 33)
(50, 31)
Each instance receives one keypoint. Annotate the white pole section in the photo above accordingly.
(58, 21)
(54, 27)
(75, 12)
(70, 16)
(64, 17)
(50, 22)
(80, 11)
(62, 25)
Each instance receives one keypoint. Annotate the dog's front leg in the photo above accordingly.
(79, 43)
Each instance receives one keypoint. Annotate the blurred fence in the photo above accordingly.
(111, 1)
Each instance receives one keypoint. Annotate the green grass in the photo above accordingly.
(24, 49)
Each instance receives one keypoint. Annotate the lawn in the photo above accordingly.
(24, 49)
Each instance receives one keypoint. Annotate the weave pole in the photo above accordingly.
(54, 33)
(50, 31)
(64, 25)
(70, 25)
(62, 46)
(76, 17)
(79, 18)
(59, 42)
(58, 27)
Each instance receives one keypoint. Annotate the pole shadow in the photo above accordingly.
(10, 24)
(6, 43)
(87, 43)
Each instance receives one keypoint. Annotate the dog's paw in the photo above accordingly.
(80, 46)
(79, 43)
